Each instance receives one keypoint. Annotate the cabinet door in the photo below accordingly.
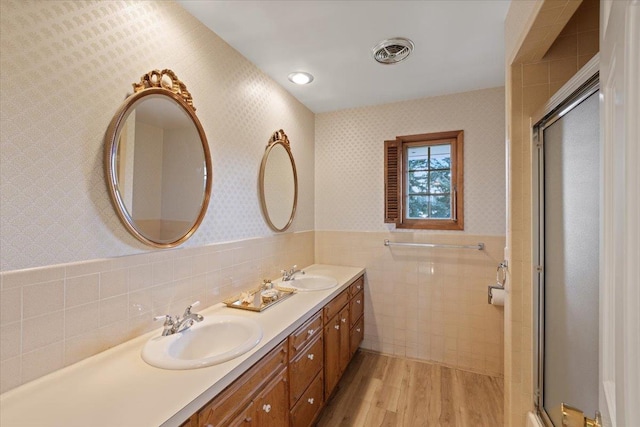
(331, 354)
(272, 409)
(345, 354)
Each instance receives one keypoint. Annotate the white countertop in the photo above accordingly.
(117, 388)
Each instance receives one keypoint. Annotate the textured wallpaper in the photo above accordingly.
(349, 158)
(66, 68)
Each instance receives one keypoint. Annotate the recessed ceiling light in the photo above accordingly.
(300, 78)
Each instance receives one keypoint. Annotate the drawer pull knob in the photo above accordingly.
(344, 320)
(310, 356)
(358, 329)
(247, 420)
(357, 301)
(266, 408)
(337, 326)
(310, 332)
(359, 287)
(310, 400)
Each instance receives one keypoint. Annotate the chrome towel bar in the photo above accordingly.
(479, 246)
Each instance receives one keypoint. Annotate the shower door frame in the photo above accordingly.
(584, 84)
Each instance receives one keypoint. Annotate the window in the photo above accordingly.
(423, 181)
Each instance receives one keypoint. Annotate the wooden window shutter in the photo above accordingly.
(392, 180)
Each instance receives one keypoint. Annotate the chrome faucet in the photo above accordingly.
(287, 275)
(173, 325)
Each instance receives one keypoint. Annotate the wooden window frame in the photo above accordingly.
(395, 180)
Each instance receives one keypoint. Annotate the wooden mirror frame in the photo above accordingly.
(164, 83)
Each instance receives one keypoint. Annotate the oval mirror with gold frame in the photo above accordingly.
(157, 162)
(278, 183)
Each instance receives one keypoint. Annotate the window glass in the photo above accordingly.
(428, 182)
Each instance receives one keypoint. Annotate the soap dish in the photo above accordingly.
(259, 299)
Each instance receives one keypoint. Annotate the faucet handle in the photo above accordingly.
(164, 317)
(187, 311)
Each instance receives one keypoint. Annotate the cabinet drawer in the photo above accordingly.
(243, 419)
(309, 405)
(356, 336)
(236, 397)
(305, 334)
(356, 308)
(336, 305)
(356, 286)
(304, 368)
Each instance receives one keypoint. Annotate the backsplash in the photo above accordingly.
(426, 303)
(54, 316)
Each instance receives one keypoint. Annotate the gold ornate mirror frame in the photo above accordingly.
(279, 138)
(164, 83)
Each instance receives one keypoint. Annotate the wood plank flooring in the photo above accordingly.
(379, 390)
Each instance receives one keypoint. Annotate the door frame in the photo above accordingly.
(581, 86)
(620, 244)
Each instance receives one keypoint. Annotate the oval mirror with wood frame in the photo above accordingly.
(157, 162)
(278, 183)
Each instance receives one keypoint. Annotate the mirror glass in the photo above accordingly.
(159, 168)
(278, 183)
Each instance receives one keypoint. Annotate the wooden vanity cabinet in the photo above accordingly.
(290, 385)
(244, 401)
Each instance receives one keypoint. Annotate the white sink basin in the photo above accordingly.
(309, 282)
(214, 340)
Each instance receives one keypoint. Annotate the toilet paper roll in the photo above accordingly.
(496, 296)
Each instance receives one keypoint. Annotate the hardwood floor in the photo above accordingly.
(379, 390)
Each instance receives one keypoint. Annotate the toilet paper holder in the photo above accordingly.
(501, 279)
(490, 289)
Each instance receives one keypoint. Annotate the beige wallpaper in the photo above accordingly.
(66, 68)
(349, 158)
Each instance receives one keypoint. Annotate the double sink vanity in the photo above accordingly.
(235, 367)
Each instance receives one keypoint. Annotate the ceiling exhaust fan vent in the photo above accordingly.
(392, 51)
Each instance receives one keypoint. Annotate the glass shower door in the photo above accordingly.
(570, 257)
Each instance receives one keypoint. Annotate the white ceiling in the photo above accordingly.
(459, 45)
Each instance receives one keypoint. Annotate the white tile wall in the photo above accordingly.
(426, 303)
(46, 325)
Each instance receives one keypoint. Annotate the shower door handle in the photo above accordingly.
(573, 417)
